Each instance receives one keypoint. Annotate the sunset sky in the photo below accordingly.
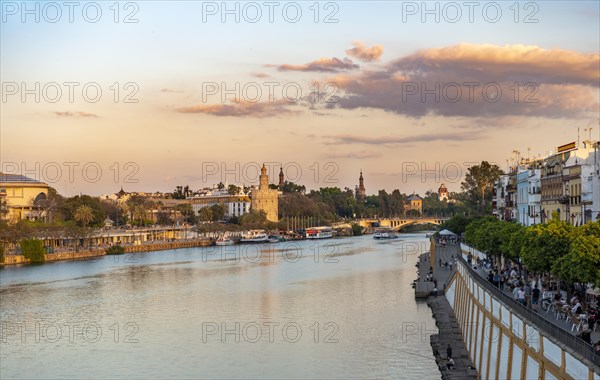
(376, 58)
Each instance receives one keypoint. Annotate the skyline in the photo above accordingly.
(373, 59)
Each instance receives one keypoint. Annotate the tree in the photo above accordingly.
(205, 214)
(582, 263)
(457, 224)
(291, 187)
(84, 215)
(163, 219)
(233, 189)
(218, 212)
(479, 181)
(546, 243)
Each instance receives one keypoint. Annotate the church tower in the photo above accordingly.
(281, 178)
(443, 193)
(361, 186)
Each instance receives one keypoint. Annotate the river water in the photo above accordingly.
(338, 308)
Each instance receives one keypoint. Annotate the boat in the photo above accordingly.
(276, 238)
(319, 232)
(224, 240)
(255, 236)
(384, 234)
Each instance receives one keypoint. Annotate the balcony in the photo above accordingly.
(587, 197)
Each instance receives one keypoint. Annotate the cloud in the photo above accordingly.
(260, 75)
(74, 114)
(241, 109)
(365, 54)
(520, 63)
(397, 140)
(171, 90)
(322, 65)
(478, 81)
(362, 154)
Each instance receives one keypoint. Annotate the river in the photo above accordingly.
(338, 308)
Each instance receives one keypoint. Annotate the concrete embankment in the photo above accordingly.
(449, 332)
(82, 255)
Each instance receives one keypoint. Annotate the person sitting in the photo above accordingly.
(450, 364)
(576, 308)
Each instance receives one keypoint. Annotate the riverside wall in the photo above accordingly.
(504, 342)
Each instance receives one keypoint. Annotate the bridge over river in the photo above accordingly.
(399, 223)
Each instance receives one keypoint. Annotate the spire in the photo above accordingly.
(281, 177)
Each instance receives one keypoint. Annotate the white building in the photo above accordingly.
(534, 202)
(235, 205)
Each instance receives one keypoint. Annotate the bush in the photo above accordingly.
(356, 229)
(33, 249)
(1, 253)
(115, 250)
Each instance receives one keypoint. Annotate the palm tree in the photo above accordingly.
(83, 214)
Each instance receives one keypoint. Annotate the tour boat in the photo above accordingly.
(384, 234)
(224, 240)
(255, 236)
(319, 232)
(274, 239)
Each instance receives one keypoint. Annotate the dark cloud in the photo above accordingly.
(322, 65)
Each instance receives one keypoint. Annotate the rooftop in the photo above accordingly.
(5, 178)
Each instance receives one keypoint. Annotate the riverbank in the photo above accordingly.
(99, 252)
(449, 332)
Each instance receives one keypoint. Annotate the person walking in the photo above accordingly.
(449, 351)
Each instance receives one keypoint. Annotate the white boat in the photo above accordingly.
(224, 240)
(319, 232)
(255, 236)
(384, 234)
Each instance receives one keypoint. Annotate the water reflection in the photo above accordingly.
(195, 313)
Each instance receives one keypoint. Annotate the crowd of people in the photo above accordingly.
(531, 290)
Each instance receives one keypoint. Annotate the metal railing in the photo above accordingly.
(547, 329)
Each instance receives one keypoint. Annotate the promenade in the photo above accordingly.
(448, 327)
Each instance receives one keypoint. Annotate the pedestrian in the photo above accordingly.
(435, 291)
(449, 351)
(521, 295)
(535, 297)
(440, 262)
(527, 290)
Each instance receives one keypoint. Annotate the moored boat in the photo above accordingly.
(224, 240)
(319, 232)
(255, 236)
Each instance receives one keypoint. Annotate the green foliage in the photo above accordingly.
(70, 205)
(115, 250)
(291, 187)
(357, 230)
(457, 224)
(545, 243)
(218, 212)
(205, 214)
(33, 249)
(479, 182)
(187, 213)
(582, 262)
(181, 192)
